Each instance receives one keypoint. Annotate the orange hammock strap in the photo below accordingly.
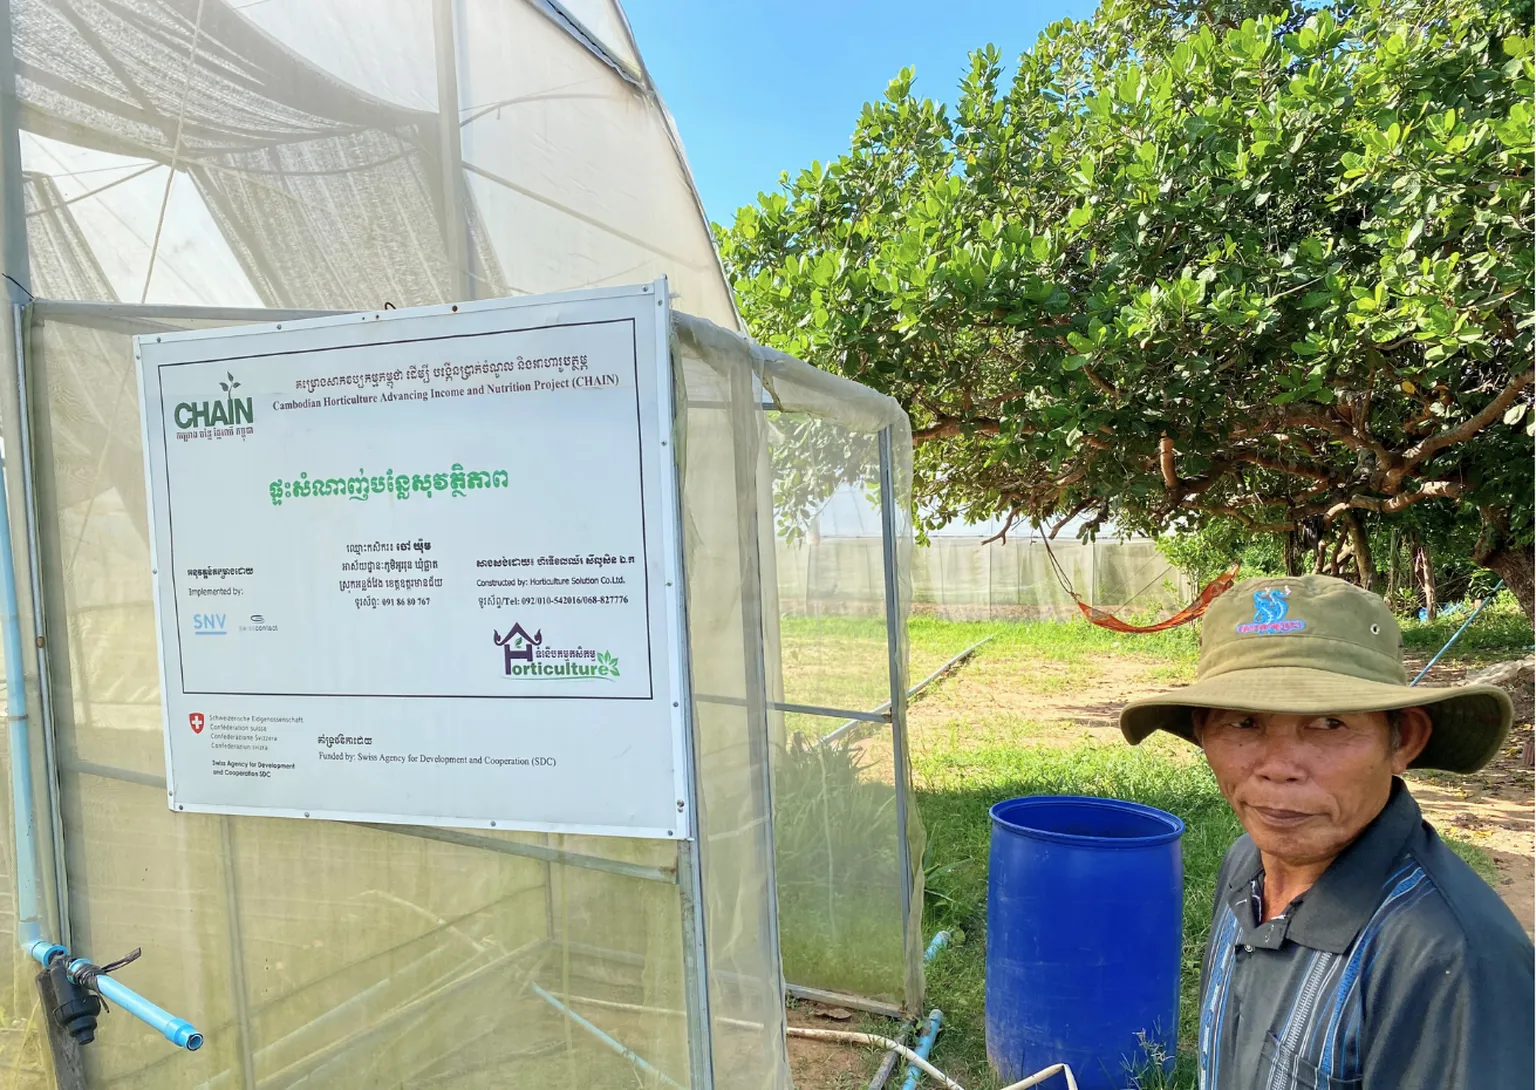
(1213, 590)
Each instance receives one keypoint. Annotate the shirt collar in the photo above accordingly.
(1330, 914)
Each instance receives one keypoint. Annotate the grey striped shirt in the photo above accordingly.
(1400, 969)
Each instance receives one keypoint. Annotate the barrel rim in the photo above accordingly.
(1174, 824)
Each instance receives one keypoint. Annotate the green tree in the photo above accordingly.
(1192, 265)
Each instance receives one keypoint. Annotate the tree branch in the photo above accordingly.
(1257, 459)
(1426, 448)
(1165, 459)
(1430, 490)
(949, 426)
(1069, 516)
(1246, 519)
(1002, 535)
(1103, 385)
(1324, 421)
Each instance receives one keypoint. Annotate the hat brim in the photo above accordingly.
(1470, 721)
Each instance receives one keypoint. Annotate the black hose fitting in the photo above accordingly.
(76, 1006)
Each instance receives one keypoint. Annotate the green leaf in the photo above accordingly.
(1354, 200)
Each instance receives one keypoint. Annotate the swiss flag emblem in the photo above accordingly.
(196, 721)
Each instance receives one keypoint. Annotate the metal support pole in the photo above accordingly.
(245, 1043)
(20, 320)
(690, 865)
(450, 151)
(746, 432)
(882, 714)
(701, 1052)
(897, 667)
(29, 893)
(13, 203)
(640, 1062)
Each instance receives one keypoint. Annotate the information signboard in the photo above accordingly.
(422, 566)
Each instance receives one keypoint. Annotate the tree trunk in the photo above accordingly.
(1360, 545)
(1340, 548)
(1424, 571)
(1515, 564)
(1515, 568)
(1292, 567)
(1392, 566)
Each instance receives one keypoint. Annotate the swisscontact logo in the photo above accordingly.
(527, 657)
(230, 412)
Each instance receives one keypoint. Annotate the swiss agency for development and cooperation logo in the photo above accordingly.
(529, 658)
(216, 418)
(1269, 609)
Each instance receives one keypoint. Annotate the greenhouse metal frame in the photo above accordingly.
(226, 163)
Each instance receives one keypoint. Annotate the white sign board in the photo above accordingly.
(422, 566)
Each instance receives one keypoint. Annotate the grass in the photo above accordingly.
(839, 876)
(1500, 631)
(974, 750)
(958, 789)
(841, 662)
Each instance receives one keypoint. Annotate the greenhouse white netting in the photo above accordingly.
(181, 163)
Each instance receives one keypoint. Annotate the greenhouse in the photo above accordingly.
(173, 165)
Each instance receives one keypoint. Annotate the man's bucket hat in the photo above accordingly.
(1314, 645)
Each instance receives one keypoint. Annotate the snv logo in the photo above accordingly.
(209, 624)
(210, 414)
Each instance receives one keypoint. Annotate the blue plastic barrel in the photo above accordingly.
(1084, 931)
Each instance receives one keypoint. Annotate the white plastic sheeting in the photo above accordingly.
(317, 137)
(353, 154)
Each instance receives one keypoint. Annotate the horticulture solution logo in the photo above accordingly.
(529, 658)
(216, 419)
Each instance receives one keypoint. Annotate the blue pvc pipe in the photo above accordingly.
(29, 897)
(29, 891)
(1491, 594)
(925, 1043)
(178, 1031)
(940, 941)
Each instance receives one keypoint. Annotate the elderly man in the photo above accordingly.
(1349, 947)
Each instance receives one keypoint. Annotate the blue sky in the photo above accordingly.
(758, 88)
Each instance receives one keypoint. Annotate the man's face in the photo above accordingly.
(1305, 786)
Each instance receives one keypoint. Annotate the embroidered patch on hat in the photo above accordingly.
(1269, 609)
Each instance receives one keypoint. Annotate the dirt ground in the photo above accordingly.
(1493, 808)
(827, 1065)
